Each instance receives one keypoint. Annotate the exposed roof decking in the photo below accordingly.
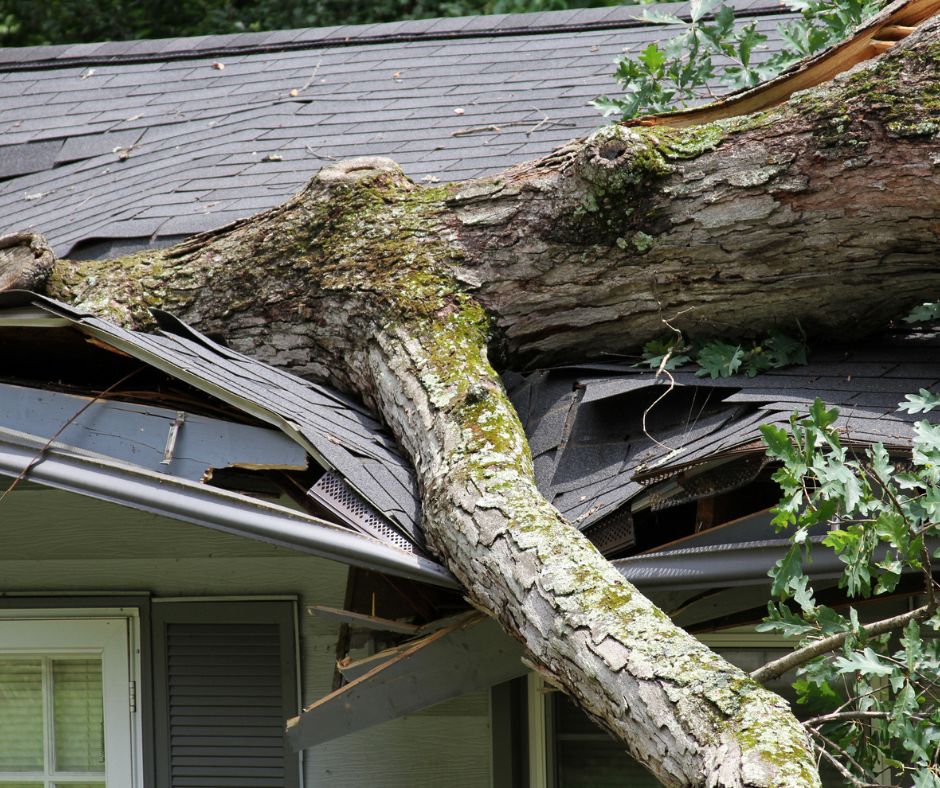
(205, 146)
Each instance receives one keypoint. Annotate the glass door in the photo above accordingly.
(65, 704)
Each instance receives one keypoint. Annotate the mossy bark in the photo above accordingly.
(824, 211)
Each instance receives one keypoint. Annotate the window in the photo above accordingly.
(224, 678)
(66, 712)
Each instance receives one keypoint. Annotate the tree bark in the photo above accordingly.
(823, 211)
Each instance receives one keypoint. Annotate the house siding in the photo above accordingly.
(56, 542)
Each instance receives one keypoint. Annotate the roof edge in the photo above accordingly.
(85, 473)
(442, 29)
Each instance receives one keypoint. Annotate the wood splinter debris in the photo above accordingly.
(889, 35)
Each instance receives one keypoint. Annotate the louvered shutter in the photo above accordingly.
(224, 685)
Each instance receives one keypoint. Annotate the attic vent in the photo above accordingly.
(336, 496)
(613, 533)
(694, 483)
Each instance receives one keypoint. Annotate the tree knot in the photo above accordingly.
(26, 261)
(359, 169)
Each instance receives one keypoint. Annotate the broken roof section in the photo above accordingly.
(614, 446)
(611, 441)
(106, 148)
(147, 444)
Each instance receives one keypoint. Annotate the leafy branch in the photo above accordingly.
(711, 47)
(801, 656)
(873, 686)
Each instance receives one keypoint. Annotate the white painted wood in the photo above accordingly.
(539, 732)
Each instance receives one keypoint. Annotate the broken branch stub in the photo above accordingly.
(26, 261)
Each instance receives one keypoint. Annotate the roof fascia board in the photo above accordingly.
(210, 507)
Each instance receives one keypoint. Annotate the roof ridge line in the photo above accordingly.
(328, 42)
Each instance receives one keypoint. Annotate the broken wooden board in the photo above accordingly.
(362, 620)
(352, 669)
(871, 39)
(469, 655)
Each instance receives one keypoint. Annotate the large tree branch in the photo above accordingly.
(824, 210)
(802, 212)
(683, 711)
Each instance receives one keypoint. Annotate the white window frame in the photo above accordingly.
(114, 634)
(541, 748)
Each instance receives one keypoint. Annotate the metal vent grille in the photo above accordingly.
(334, 494)
(614, 532)
(714, 481)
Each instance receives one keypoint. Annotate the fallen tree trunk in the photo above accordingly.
(824, 211)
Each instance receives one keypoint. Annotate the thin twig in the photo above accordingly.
(847, 716)
(40, 455)
(481, 129)
(497, 128)
(672, 384)
(839, 767)
(928, 576)
(803, 655)
(313, 76)
(662, 370)
(312, 152)
(833, 746)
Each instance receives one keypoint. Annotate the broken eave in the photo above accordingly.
(469, 654)
(67, 468)
(366, 483)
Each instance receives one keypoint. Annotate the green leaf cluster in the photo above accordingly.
(711, 47)
(876, 698)
(719, 359)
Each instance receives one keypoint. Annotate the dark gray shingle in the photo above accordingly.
(705, 420)
(496, 69)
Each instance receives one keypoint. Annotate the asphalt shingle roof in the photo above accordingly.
(116, 145)
(340, 433)
(593, 455)
(108, 147)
